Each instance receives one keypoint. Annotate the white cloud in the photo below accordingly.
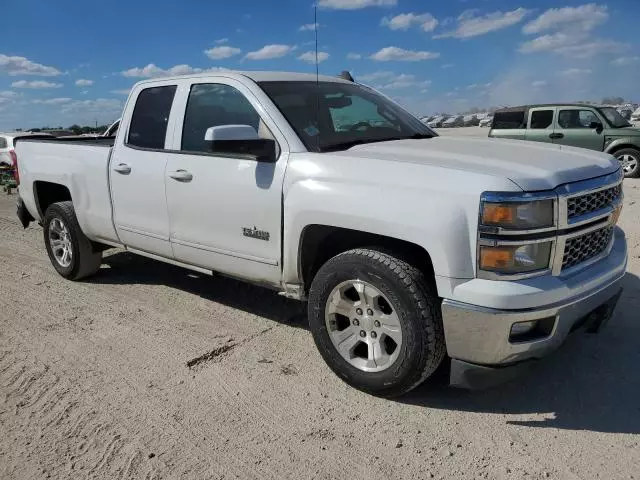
(375, 76)
(355, 4)
(386, 80)
(103, 105)
(447, 65)
(625, 61)
(404, 21)
(35, 84)
(472, 86)
(309, 27)
(547, 43)
(539, 83)
(399, 54)
(218, 53)
(153, 71)
(270, 51)
(575, 71)
(23, 66)
(354, 56)
(52, 101)
(310, 57)
(571, 45)
(578, 19)
(84, 82)
(470, 25)
(591, 49)
(8, 94)
(124, 91)
(221, 41)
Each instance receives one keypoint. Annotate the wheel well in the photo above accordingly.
(47, 193)
(620, 147)
(321, 242)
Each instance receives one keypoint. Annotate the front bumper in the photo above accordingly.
(481, 336)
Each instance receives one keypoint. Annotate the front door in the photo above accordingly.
(224, 211)
(575, 127)
(540, 126)
(137, 174)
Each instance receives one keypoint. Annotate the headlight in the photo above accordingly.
(515, 259)
(518, 215)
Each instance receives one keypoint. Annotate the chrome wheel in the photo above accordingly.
(628, 162)
(60, 242)
(363, 326)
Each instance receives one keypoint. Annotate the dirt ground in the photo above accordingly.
(151, 371)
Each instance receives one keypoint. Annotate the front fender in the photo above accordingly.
(632, 142)
(434, 208)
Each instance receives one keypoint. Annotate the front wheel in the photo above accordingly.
(629, 159)
(70, 251)
(376, 322)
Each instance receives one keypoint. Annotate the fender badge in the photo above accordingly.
(255, 233)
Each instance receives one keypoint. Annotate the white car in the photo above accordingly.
(486, 122)
(7, 151)
(408, 246)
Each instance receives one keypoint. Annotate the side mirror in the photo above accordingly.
(240, 140)
(597, 126)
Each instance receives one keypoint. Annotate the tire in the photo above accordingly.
(83, 260)
(403, 291)
(627, 158)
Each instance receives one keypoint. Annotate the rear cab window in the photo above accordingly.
(148, 128)
(3, 142)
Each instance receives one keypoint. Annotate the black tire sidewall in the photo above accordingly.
(636, 154)
(408, 367)
(53, 212)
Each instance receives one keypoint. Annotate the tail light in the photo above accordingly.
(14, 162)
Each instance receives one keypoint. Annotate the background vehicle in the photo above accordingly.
(585, 126)
(486, 121)
(457, 121)
(7, 145)
(437, 122)
(470, 121)
(325, 190)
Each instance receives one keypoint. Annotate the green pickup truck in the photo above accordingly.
(576, 125)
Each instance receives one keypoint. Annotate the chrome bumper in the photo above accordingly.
(481, 336)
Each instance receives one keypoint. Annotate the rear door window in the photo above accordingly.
(150, 117)
(3, 142)
(541, 119)
(508, 120)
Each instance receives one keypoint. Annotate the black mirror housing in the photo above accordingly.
(597, 126)
(260, 150)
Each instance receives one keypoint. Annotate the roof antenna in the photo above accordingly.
(315, 28)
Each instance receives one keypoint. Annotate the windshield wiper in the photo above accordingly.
(333, 147)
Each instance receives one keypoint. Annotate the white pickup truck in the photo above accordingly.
(409, 247)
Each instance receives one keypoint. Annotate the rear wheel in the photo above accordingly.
(70, 251)
(629, 159)
(376, 322)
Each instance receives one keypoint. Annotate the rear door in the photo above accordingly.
(540, 124)
(137, 172)
(574, 128)
(5, 158)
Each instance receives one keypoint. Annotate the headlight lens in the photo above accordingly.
(515, 259)
(518, 215)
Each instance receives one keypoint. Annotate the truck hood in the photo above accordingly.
(532, 166)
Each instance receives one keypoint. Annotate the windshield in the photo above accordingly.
(330, 116)
(614, 118)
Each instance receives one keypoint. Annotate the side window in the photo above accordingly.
(541, 119)
(3, 142)
(508, 120)
(360, 110)
(148, 127)
(576, 118)
(212, 105)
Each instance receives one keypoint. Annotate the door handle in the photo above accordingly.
(122, 168)
(556, 135)
(181, 175)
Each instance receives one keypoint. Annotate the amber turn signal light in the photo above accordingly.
(495, 258)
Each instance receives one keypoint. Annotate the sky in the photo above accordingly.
(74, 62)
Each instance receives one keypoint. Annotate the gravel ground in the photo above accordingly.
(150, 371)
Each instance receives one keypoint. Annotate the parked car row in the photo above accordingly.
(446, 121)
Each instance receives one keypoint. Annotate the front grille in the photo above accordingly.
(592, 202)
(582, 248)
